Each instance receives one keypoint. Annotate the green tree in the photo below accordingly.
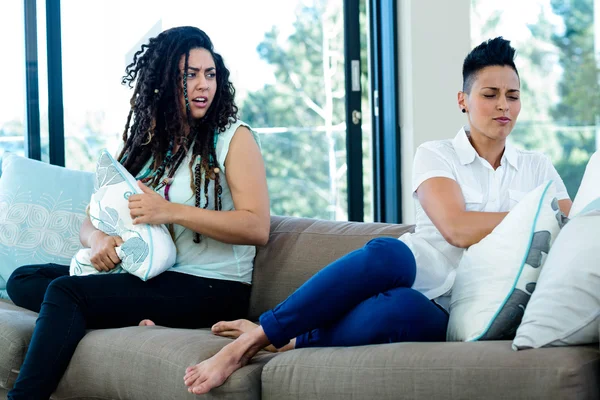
(578, 110)
(536, 56)
(563, 129)
(306, 156)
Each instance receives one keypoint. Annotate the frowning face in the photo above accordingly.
(493, 104)
(201, 81)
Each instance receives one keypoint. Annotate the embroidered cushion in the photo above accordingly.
(496, 276)
(148, 250)
(42, 207)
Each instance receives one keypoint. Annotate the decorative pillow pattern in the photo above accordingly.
(148, 250)
(42, 207)
(496, 276)
(565, 308)
(3, 294)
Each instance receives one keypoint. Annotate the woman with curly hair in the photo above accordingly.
(201, 172)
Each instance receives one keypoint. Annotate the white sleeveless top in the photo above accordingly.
(210, 258)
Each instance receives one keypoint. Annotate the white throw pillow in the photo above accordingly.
(565, 307)
(589, 189)
(148, 250)
(496, 276)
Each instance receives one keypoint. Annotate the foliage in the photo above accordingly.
(561, 118)
(579, 88)
(306, 155)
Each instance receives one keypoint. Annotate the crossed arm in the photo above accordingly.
(443, 202)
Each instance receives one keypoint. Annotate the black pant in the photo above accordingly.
(68, 305)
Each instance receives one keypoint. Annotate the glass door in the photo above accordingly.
(289, 63)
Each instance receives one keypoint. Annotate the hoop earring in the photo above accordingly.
(150, 135)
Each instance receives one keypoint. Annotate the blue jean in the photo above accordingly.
(362, 298)
(68, 305)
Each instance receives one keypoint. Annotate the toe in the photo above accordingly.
(191, 376)
(221, 326)
(229, 334)
(200, 389)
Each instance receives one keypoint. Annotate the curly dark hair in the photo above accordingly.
(160, 122)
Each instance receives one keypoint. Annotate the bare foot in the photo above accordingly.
(233, 329)
(146, 322)
(209, 374)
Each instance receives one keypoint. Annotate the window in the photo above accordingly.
(287, 68)
(12, 78)
(557, 46)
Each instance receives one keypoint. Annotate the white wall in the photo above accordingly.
(434, 37)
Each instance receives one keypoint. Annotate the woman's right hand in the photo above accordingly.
(104, 256)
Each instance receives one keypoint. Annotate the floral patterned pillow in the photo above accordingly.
(148, 250)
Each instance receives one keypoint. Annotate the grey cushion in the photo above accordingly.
(149, 363)
(299, 247)
(440, 371)
(16, 328)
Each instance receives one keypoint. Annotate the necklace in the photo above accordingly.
(149, 174)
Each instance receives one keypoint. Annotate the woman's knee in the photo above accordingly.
(64, 287)
(16, 286)
(393, 258)
(413, 317)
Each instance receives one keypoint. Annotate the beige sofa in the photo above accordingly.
(149, 363)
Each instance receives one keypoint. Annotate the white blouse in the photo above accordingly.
(483, 188)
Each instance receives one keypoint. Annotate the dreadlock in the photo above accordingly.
(155, 124)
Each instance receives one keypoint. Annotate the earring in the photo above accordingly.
(150, 135)
(464, 110)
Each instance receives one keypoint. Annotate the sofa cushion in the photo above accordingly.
(495, 277)
(149, 363)
(565, 307)
(299, 247)
(148, 250)
(458, 370)
(42, 207)
(16, 328)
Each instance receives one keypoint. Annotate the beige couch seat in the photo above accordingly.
(149, 362)
(481, 370)
(16, 327)
(128, 363)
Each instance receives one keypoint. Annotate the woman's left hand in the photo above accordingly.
(149, 207)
